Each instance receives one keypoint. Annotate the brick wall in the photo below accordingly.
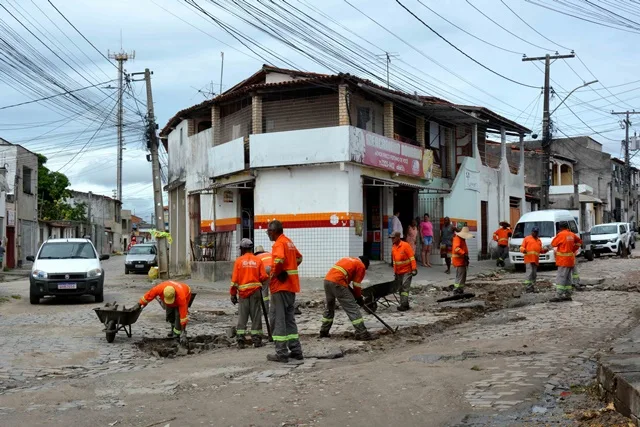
(343, 110)
(303, 113)
(420, 130)
(215, 124)
(256, 111)
(388, 119)
(191, 127)
(241, 118)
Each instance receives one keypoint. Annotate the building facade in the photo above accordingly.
(104, 215)
(332, 157)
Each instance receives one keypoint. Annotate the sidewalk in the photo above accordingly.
(619, 375)
(378, 272)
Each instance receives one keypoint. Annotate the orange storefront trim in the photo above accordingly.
(471, 223)
(310, 220)
(206, 225)
(227, 224)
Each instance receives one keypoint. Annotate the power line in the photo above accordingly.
(528, 25)
(53, 96)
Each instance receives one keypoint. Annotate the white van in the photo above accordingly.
(548, 222)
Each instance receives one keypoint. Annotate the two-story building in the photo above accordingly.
(332, 157)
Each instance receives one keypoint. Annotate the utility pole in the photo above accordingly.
(163, 259)
(120, 58)
(627, 160)
(221, 71)
(546, 125)
(388, 57)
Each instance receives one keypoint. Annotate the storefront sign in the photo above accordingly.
(385, 153)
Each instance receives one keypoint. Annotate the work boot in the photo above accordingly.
(366, 336)
(531, 290)
(257, 342)
(276, 358)
(324, 334)
(403, 308)
(579, 288)
(296, 356)
(458, 291)
(561, 298)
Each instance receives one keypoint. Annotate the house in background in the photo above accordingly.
(332, 157)
(105, 217)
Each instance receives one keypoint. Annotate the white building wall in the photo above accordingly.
(226, 158)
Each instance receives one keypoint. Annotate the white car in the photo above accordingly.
(65, 267)
(610, 238)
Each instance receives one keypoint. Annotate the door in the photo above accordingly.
(11, 247)
(246, 213)
(514, 210)
(484, 233)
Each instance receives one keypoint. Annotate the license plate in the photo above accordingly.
(139, 266)
(67, 286)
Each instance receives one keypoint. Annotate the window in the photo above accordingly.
(524, 229)
(622, 229)
(67, 250)
(26, 180)
(364, 118)
(573, 227)
(181, 136)
(142, 250)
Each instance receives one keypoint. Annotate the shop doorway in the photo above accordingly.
(373, 223)
(246, 214)
(404, 200)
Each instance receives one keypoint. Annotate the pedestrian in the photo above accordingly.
(412, 235)
(532, 248)
(418, 250)
(2, 251)
(336, 287)
(502, 235)
(284, 286)
(174, 298)
(267, 260)
(446, 242)
(461, 258)
(247, 278)
(565, 244)
(426, 231)
(404, 267)
(396, 224)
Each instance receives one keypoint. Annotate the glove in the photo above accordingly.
(282, 276)
(360, 301)
(414, 273)
(234, 299)
(136, 307)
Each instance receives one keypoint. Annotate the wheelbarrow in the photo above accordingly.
(115, 320)
(378, 293)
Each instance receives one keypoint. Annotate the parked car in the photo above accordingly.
(141, 258)
(611, 238)
(548, 221)
(66, 267)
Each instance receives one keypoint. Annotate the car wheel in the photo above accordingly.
(100, 297)
(126, 271)
(34, 299)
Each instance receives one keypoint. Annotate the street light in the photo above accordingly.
(569, 94)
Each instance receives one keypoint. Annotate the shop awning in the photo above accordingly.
(241, 184)
(370, 181)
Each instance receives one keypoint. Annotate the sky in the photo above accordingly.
(183, 49)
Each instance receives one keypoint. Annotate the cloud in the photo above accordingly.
(102, 172)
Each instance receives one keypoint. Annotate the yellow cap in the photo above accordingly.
(169, 295)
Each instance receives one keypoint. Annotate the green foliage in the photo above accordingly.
(53, 190)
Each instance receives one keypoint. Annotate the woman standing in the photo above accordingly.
(412, 235)
(426, 230)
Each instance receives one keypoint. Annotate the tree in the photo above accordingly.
(53, 190)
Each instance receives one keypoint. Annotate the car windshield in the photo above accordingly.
(604, 229)
(524, 229)
(64, 250)
(142, 250)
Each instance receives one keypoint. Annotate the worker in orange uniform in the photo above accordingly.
(336, 287)
(267, 260)
(247, 278)
(404, 267)
(565, 244)
(175, 298)
(460, 258)
(532, 248)
(284, 286)
(501, 235)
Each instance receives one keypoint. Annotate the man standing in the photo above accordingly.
(461, 259)
(501, 235)
(285, 283)
(175, 298)
(446, 242)
(336, 287)
(247, 278)
(532, 248)
(404, 267)
(565, 244)
(267, 260)
(426, 232)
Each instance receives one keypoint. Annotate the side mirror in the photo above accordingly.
(31, 258)
(104, 257)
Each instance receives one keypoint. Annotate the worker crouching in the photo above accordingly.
(404, 267)
(175, 298)
(336, 287)
(247, 278)
(460, 259)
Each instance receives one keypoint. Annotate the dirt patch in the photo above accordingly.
(170, 348)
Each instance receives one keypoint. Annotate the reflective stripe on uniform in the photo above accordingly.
(177, 331)
(266, 298)
(144, 300)
(240, 332)
(527, 282)
(457, 285)
(279, 338)
(342, 270)
(256, 332)
(404, 294)
(565, 254)
(503, 240)
(234, 285)
(293, 337)
(563, 287)
(184, 319)
(250, 285)
(357, 321)
(278, 260)
(294, 272)
(575, 276)
(402, 262)
(327, 320)
(357, 285)
(458, 256)
(532, 253)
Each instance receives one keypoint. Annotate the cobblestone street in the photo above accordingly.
(491, 363)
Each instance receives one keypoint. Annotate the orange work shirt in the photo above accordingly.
(183, 297)
(248, 275)
(566, 244)
(459, 250)
(285, 258)
(348, 270)
(267, 260)
(501, 235)
(404, 260)
(531, 248)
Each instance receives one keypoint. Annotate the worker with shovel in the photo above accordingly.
(336, 287)
(267, 260)
(460, 259)
(404, 267)
(566, 244)
(247, 278)
(532, 248)
(174, 297)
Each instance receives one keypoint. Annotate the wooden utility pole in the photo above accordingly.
(627, 161)
(546, 125)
